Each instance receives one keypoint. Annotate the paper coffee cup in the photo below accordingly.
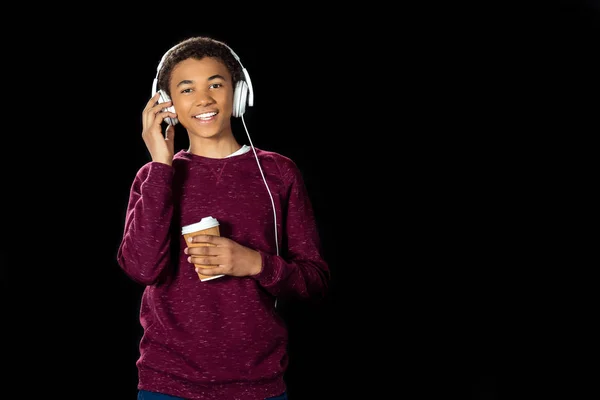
(206, 226)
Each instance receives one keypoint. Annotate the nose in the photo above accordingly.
(203, 98)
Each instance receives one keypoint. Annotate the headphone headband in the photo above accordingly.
(250, 94)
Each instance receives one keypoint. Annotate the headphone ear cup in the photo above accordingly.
(240, 96)
(163, 98)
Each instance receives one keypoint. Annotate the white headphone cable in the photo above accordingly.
(267, 186)
(265, 180)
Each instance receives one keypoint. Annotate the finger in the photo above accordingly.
(154, 108)
(150, 104)
(213, 261)
(201, 251)
(160, 117)
(209, 271)
(214, 239)
(157, 113)
(161, 108)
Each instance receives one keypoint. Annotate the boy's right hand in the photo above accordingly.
(161, 147)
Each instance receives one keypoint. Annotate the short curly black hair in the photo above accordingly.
(197, 48)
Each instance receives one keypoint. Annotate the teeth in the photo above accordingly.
(206, 115)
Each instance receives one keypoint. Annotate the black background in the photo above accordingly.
(414, 130)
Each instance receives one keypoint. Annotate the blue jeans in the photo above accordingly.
(146, 395)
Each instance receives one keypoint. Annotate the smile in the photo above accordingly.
(205, 116)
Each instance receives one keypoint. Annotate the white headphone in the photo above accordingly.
(243, 94)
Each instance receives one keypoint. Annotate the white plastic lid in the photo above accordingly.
(205, 223)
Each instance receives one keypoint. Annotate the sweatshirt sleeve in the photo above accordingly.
(144, 251)
(299, 270)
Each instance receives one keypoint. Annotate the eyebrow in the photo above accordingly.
(188, 82)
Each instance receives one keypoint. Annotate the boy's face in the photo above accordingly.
(202, 94)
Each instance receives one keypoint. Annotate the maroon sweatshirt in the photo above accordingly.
(222, 338)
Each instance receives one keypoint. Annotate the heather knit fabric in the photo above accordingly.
(222, 338)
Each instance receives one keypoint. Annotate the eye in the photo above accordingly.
(216, 85)
(188, 90)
